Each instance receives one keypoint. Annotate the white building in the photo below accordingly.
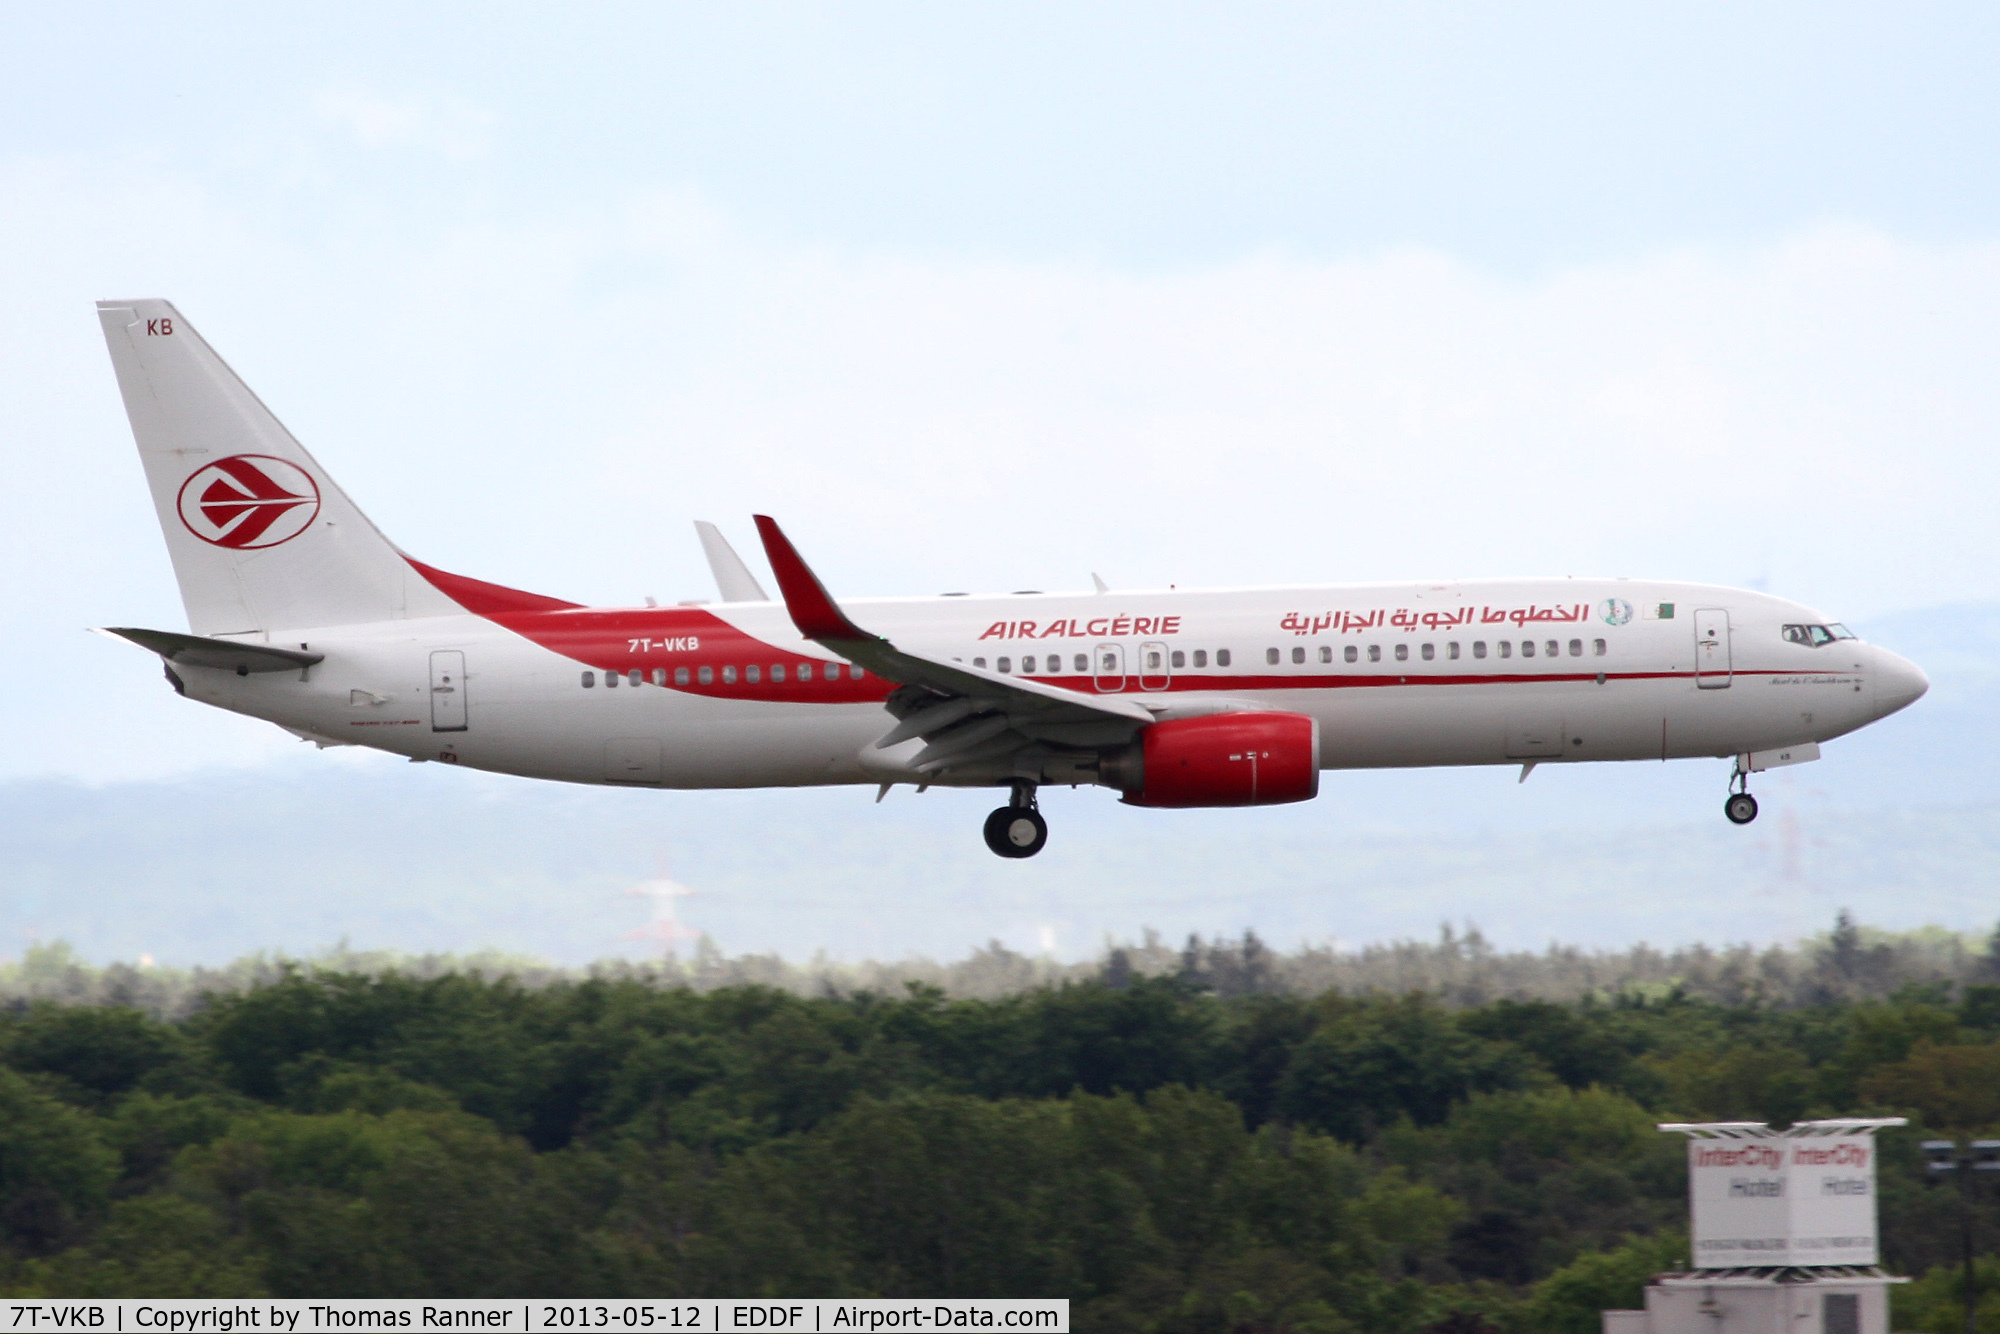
(1783, 1228)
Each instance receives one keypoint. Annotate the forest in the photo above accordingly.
(1215, 1139)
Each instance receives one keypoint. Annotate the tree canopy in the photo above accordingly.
(1169, 1158)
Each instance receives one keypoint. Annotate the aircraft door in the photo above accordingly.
(1712, 666)
(448, 691)
(1110, 663)
(1154, 673)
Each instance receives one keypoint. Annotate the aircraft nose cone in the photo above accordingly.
(1899, 683)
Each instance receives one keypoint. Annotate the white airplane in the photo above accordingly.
(303, 614)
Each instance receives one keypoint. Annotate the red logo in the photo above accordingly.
(248, 501)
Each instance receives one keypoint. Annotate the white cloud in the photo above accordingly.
(450, 127)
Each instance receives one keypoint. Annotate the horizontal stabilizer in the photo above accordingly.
(221, 654)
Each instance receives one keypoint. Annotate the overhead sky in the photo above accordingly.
(992, 297)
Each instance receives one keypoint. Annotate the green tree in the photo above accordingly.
(1368, 1065)
(1572, 1300)
(100, 1051)
(56, 1171)
(1955, 1088)
(407, 1204)
(160, 1245)
(1935, 1302)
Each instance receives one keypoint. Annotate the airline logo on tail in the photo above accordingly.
(249, 501)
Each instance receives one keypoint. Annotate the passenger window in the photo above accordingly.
(1478, 648)
(1351, 653)
(706, 676)
(1402, 653)
(1326, 653)
(1222, 657)
(659, 676)
(1082, 663)
(1110, 664)
(753, 674)
(1576, 648)
(1298, 655)
(1152, 660)
(1506, 647)
(633, 677)
(1553, 649)
(1451, 650)
(589, 680)
(1374, 653)
(1028, 665)
(610, 680)
(1430, 651)
(1179, 658)
(1271, 656)
(805, 671)
(778, 672)
(1004, 666)
(1527, 649)
(855, 673)
(729, 676)
(680, 676)
(1201, 657)
(976, 662)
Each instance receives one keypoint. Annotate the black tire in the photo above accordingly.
(1741, 808)
(1016, 831)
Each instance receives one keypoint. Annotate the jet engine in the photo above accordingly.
(1222, 759)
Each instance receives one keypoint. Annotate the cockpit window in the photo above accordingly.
(1816, 636)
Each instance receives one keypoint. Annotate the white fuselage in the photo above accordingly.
(1457, 673)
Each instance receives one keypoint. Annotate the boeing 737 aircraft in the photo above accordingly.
(300, 612)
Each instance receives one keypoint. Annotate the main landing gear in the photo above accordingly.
(1017, 829)
(1741, 807)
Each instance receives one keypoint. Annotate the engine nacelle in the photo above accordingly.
(1223, 759)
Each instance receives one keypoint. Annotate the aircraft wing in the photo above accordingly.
(969, 719)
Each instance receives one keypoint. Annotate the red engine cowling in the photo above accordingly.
(1227, 759)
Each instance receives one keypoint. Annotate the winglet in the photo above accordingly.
(732, 576)
(813, 611)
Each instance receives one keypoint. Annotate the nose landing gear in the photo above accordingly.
(1017, 829)
(1740, 807)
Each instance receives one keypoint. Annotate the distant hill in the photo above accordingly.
(1900, 823)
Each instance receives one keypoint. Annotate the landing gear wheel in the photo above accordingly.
(1741, 808)
(1016, 831)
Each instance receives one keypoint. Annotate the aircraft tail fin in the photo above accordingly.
(261, 537)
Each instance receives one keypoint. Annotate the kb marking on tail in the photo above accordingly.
(249, 501)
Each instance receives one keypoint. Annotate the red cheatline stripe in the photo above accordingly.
(484, 599)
